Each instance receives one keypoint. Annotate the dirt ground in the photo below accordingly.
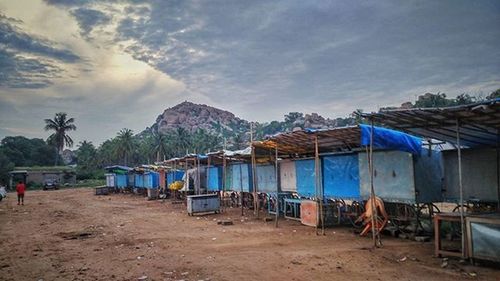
(74, 235)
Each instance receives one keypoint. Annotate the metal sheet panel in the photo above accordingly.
(266, 178)
(203, 203)
(214, 178)
(246, 176)
(155, 179)
(148, 182)
(242, 177)
(428, 176)
(485, 240)
(229, 178)
(341, 176)
(309, 213)
(139, 181)
(394, 176)
(306, 177)
(110, 180)
(483, 236)
(479, 175)
(288, 179)
(130, 180)
(121, 181)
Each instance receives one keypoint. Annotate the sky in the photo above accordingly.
(120, 63)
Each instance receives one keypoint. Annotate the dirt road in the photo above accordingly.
(75, 235)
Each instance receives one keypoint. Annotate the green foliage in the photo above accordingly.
(60, 125)
(87, 160)
(429, 100)
(125, 145)
(494, 95)
(22, 151)
(90, 182)
(6, 165)
(433, 100)
(34, 185)
(202, 142)
(239, 142)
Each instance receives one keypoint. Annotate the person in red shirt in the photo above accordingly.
(20, 188)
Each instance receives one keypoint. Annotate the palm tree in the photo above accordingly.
(182, 140)
(60, 124)
(159, 144)
(125, 145)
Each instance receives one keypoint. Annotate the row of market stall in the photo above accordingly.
(334, 176)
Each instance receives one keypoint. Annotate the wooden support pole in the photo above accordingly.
(207, 173)
(498, 170)
(460, 186)
(255, 184)
(241, 188)
(187, 178)
(374, 219)
(198, 175)
(223, 179)
(318, 189)
(277, 190)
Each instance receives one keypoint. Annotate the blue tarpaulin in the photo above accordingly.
(390, 139)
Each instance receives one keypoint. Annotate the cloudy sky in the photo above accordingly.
(120, 63)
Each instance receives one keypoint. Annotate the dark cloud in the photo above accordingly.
(27, 61)
(68, 3)
(325, 51)
(88, 19)
(14, 38)
(17, 71)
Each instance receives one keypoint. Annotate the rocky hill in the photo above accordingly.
(192, 117)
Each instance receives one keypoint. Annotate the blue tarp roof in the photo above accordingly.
(390, 139)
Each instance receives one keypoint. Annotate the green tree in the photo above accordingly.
(160, 145)
(202, 141)
(494, 95)
(182, 141)
(86, 155)
(5, 167)
(465, 99)
(28, 152)
(433, 100)
(106, 153)
(125, 145)
(239, 142)
(60, 125)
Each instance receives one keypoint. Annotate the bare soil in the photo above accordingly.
(74, 235)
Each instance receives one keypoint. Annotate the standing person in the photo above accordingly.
(20, 188)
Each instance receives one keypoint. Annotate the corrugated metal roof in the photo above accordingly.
(303, 141)
(479, 122)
